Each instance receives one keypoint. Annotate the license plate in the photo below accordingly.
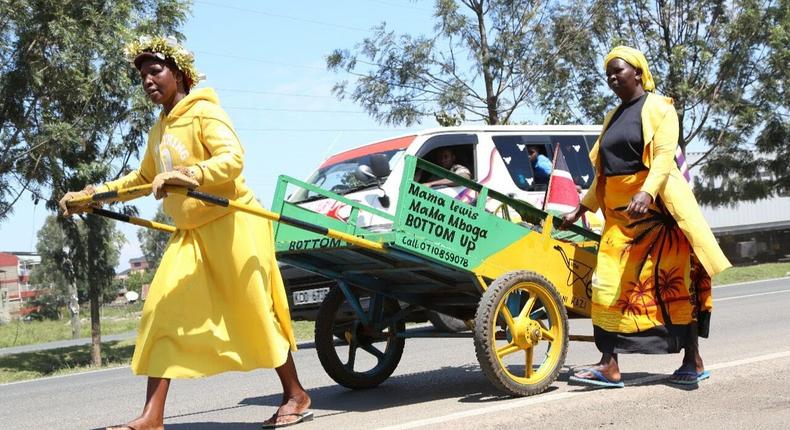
(306, 297)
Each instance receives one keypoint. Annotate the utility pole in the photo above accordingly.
(74, 303)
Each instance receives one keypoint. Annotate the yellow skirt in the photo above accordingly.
(648, 287)
(216, 304)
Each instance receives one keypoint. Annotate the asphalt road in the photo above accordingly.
(439, 385)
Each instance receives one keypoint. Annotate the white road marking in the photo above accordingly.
(545, 398)
(750, 295)
(786, 278)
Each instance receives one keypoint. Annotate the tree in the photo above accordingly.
(485, 60)
(65, 270)
(723, 63)
(136, 280)
(72, 112)
(153, 242)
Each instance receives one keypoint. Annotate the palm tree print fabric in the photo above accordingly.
(646, 276)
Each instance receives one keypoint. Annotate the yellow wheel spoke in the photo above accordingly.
(545, 334)
(511, 325)
(527, 309)
(507, 350)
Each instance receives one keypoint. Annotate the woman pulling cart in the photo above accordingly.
(217, 301)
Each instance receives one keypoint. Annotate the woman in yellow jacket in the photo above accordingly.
(217, 301)
(651, 289)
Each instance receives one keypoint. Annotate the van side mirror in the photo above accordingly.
(379, 165)
(365, 174)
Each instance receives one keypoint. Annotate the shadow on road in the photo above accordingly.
(466, 382)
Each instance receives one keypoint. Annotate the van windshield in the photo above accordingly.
(341, 177)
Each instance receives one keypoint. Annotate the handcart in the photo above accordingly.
(501, 270)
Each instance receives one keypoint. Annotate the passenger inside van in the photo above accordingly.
(446, 158)
(541, 165)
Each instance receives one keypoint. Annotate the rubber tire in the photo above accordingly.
(485, 345)
(446, 323)
(325, 346)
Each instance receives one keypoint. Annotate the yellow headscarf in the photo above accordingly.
(635, 58)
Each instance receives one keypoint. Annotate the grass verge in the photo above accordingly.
(114, 320)
(752, 273)
(61, 361)
(51, 362)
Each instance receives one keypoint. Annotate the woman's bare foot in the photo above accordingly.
(140, 423)
(291, 410)
(610, 371)
(607, 366)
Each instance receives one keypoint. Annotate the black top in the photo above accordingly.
(623, 143)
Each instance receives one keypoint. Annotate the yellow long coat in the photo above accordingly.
(660, 130)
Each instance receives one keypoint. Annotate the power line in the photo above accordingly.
(259, 60)
(293, 110)
(276, 15)
(273, 93)
(322, 130)
(401, 6)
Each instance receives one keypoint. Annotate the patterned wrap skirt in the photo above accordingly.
(216, 304)
(648, 288)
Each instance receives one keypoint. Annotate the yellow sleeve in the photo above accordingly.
(665, 143)
(590, 200)
(227, 155)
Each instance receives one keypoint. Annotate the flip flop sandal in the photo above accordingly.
(302, 417)
(699, 377)
(599, 380)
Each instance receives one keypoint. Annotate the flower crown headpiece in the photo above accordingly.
(164, 48)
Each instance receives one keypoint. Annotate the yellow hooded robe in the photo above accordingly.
(217, 302)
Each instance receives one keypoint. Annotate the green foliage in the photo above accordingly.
(724, 64)
(136, 280)
(153, 242)
(483, 62)
(71, 109)
(72, 112)
(47, 306)
(58, 266)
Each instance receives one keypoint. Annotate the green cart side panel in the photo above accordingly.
(435, 226)
(289, 238)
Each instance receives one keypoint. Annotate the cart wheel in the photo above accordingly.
(369, 356)
(521, 333)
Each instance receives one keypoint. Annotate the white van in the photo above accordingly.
(496, 156)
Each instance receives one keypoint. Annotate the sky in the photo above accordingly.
(266, 60)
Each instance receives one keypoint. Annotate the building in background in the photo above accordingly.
(138, 265)
(15, 289)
